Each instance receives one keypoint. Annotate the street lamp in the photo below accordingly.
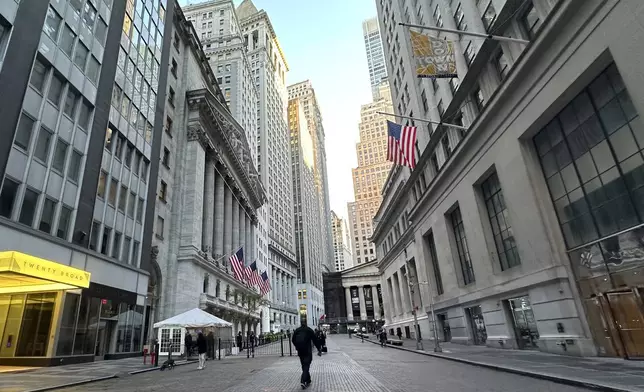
(437, 346)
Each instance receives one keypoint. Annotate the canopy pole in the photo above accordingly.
(423, 120)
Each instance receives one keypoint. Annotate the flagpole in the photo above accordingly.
(468, 33)
(423, 120)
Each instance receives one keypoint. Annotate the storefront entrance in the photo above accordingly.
(524, 324)
(477, 324)
(617, 321)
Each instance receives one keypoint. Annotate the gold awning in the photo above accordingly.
(20, 272)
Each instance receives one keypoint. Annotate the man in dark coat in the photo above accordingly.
(202, 348)
(304, 339)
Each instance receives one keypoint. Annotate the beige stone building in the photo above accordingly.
(370, 175)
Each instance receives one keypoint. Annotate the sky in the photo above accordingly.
(322, 41)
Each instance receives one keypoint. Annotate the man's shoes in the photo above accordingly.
(303, 385)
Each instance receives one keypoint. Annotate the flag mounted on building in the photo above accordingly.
(434, 57)
(265, 285)
(401, 144)
(238, 264)
(252, 275)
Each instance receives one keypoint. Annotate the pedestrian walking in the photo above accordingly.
(304, 339)
(239, 339)
(383, 337)
(202, 348)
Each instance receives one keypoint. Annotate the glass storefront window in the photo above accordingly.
(87, 326)
(68, 324)
(34, 334)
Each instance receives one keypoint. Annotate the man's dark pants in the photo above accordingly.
(305, 360)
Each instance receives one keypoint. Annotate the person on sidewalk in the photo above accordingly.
(304, 339)
(202, 348)
(239, 339)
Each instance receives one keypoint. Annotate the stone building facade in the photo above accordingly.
(209, 194)
(523, 231)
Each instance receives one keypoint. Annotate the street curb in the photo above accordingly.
(159, 367)
(543, 376)
(73, 384)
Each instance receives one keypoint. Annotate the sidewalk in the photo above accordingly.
(607, 374)
(49, 378)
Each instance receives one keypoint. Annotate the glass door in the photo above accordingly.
(524, 323)
(477, 324)
(629, 319)
(602, 324)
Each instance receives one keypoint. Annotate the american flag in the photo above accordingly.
(265, 286)
(237, 262)
(252, 275)
(401, 143)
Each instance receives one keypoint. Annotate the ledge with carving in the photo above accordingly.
(226, 133)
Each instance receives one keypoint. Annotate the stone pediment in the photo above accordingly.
(361, 270)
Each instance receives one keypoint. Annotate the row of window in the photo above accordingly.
(123, 248)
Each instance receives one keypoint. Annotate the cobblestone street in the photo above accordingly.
(349, 366)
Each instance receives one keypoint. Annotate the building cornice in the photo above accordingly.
(406, 237)
(279, 251)
(383, 218)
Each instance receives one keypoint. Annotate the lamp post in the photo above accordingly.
(437, 346)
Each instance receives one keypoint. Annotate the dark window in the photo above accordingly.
(114, 185)
(459, 18)
(106, 240)
(478, 98)
(135, 252)
(166, 157)
(85, 113)
(497, 211)
(23, 134)
(63, 222)
(70, 102)
(139, 211)
(93, 68)
(67, 41)
(120, 142)
(80, 57)
(47, 216)
(163, 191)
(101, 31)
(52, 24)
(102, 179)
(123, 198)
(127, 241)
(93, 238)
(592, 158)
(160, 227)
(171, 96)
(116, 245)
(489, 16)
(42, 145)
(38, 75)
(8, 197)
(501, 64)
(173, 68)
(435, 266)
(28, 207)
(461, 245)
(131, 204)
(530, 21)
(60, 154)
(56, 89)
(73, 171)
(129, 152)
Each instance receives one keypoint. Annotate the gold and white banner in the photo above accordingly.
(434, 57)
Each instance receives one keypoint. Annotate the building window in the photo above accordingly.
(163, 190)
(166, 157)
(173, 68)
(106, 240)
(127, 241)
(60, 155)
(47, 216)
(70, 102)
(55, 89)
(592, 156)
(111, 198)
(176, 41)
(168, 125)
(433, 257)
(28, 207)
(459, 18)
(93, 237)
(116, 245)
(441, 109)
(73, 170)
(160, 227)
(501, 64)
(423, 97)
(8, 197)
(85, 114)
(67, 41)
(497, 211)
(530, 21)
(52, 24)
(139, 211)
(63, 222)
(469, 53)
(38, 76)
(171, 96)
(93, 69)
(135, 251)
(80, 57)
(479, 100)
(489, 16)
(438, 19)
(24, 131)
(123, 198)
(461, 245)
(102, 179)
(42, 145)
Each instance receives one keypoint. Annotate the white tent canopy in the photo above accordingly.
(195, 318)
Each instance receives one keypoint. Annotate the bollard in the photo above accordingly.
(282, 344)
(247, 349)
(219, 348)
(156, 354)
(290, 348)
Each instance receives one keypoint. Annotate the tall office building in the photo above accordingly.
(305, 93)
(370, 175)
(375, 54)
(208, 199)
(269, 68)
(309, 228)
(82, 82)
(341, 243)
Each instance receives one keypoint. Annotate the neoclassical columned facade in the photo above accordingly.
(208, 200)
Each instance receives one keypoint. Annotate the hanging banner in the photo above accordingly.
(355, 302)
(434, 57)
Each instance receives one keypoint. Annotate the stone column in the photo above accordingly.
(220, 187)
(253, 240)
(209, 206)
(402, 294)
(397, 308)
(228, 222)
(242, 234)
(192, 225)
(235, 224)
(363, 304)
(249, 242)
(376, 304)
(347, 293)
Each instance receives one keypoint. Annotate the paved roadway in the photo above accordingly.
(349, 366)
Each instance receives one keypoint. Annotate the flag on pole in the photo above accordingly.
(265, 286)
(252, 275)
(434, 57)
(401, 143)
(237, 262)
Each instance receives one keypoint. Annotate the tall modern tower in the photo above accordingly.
(341, 243)
(305, 93)
(375, 54)
(370, 175)
(84, 86)
(309, 227)
(269, 69)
